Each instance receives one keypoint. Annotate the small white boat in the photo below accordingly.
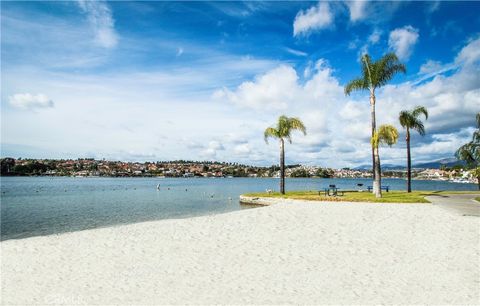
(460, 180)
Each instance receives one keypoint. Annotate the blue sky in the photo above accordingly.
(202, 80)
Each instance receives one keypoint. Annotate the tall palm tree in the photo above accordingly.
(375, 75)
(470, 152)
(282, 131)
(410, 120)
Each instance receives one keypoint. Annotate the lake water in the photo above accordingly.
(33, 206)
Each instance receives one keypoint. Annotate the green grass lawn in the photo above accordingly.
(355, 196)
(477, 199)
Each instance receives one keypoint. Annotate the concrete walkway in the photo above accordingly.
(463, 204)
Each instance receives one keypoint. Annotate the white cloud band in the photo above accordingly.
(29, 101)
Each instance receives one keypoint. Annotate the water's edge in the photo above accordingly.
(36, 206)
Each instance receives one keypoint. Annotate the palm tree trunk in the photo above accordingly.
(478, 182)
(372, 113)
(282, 166)
(377, 190)
(409, 163)
(375, 155)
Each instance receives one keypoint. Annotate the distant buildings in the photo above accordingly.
(93, 168)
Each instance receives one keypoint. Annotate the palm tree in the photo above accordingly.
(470, 152)
(283, 131)
(375, 75)
(410, 120)
(385, 135)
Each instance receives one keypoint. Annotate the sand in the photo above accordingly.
(290, 253)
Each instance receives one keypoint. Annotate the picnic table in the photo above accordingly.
(332, 190)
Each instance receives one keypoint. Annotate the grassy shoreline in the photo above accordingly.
(355, 196)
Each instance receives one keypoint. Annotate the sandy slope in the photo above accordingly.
(316, 253)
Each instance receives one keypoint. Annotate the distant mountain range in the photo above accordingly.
(448, 162)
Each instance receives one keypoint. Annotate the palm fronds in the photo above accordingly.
(270, 132)
(375, 74)
(386, 134)
(356, 84)
(284, 128)
(410, 119)
(470, 152)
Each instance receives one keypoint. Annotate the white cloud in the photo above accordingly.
(335, 123)
(357, 10)
(215, 145)
(375, 37)
(315, 18)
(309, 69)
(402, 41)
(101, 21)
(468, 56)
(470, 53)
(210, 152)
(442, 143)
(279, 88)
(169, 129)
(371, 12)
(295, 52)
(452, 99)
(330, 117)
(242, 150)
(322, 85)
(272, 90)
(313, 101)
(430, 66)
(29, 101)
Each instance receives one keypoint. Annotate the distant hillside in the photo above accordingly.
(448, 162)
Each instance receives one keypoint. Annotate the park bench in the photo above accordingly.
(386, 188)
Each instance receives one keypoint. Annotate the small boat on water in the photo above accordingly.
(460, 180)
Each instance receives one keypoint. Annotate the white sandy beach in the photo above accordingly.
(301, 253)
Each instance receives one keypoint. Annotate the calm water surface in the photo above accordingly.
(33, 206)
